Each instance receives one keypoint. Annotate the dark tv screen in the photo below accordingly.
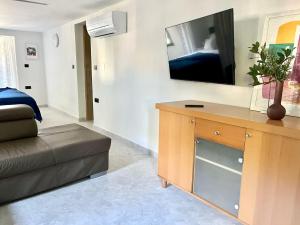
(203, 49)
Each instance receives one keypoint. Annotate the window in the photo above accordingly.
(8, 62)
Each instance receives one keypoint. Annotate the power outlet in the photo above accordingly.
(27, 87)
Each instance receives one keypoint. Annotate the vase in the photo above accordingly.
(276, 111)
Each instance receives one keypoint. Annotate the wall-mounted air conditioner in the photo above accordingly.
(111, 23)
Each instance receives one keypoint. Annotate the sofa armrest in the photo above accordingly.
(15, 112)
(16, 122)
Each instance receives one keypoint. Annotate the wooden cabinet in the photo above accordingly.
(270, 184)
(271, 180)
(176, 149)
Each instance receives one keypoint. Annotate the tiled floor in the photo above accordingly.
(130, 194)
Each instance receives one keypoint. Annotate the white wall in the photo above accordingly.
(61, 78)
(33, 76)
(133, 67)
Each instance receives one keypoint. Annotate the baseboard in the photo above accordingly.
(128, 142)
(63, 112)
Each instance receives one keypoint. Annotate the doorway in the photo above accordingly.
(84, 72)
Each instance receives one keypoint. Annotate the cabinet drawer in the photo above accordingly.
(221, 133)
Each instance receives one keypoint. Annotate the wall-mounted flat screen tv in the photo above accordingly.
(203, 49)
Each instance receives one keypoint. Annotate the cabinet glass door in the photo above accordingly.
(218, 171)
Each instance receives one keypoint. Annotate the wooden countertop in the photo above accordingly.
(238, 116)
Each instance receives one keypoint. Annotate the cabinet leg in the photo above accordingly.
(164, 183)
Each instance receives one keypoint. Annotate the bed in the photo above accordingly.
(11, 96)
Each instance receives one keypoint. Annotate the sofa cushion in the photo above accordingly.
(15, 112)
(53, 146)
(72, 141)
(17, 121)
(24, 155)
(13, 130)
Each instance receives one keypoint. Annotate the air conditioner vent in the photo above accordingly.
(31, 2)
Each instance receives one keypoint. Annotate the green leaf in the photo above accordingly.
(287, 52)
(272, 64)
(254, 48)
(255, 81)
(281, 57)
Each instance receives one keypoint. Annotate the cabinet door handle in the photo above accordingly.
(241, 160)
(217, 133)
(248, 135)
(192, 121)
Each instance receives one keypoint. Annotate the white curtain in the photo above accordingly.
(8, 62)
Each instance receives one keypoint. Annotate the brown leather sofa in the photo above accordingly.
(32, 162)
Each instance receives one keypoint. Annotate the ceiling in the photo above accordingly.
(18, 15)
